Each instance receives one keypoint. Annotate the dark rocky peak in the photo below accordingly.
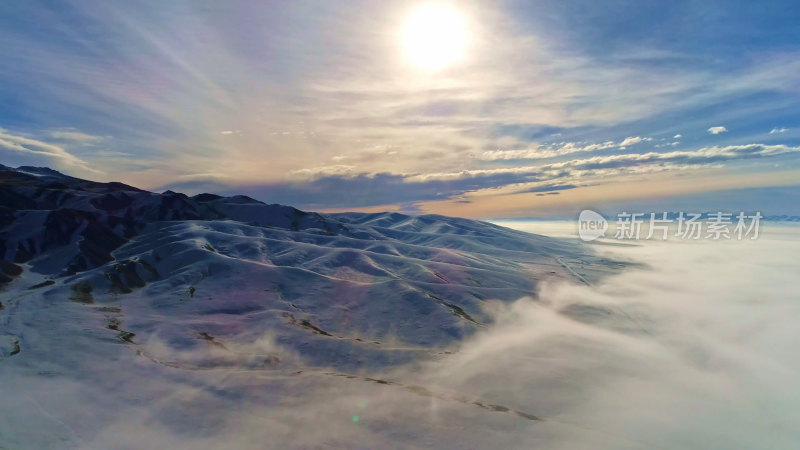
(206, 197)
(242, 199)
(43, 171)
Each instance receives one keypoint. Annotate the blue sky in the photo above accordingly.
(548, 108)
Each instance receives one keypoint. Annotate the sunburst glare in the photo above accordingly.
(435, 36)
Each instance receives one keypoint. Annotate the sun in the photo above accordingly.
(435, 36)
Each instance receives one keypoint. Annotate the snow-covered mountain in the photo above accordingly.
(104, 273)
(347, 282)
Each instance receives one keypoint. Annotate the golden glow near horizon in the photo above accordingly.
(435, 36)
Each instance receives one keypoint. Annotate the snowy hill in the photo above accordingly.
(104, 273)
(347, 282)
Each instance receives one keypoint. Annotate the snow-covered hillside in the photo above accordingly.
(98, 276)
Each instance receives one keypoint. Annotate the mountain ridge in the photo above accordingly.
(387, 287)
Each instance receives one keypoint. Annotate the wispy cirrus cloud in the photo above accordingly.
(312, 173)
(76, 136)
(633, 140)
(543, 152)
(55, 154)
(537, 151)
